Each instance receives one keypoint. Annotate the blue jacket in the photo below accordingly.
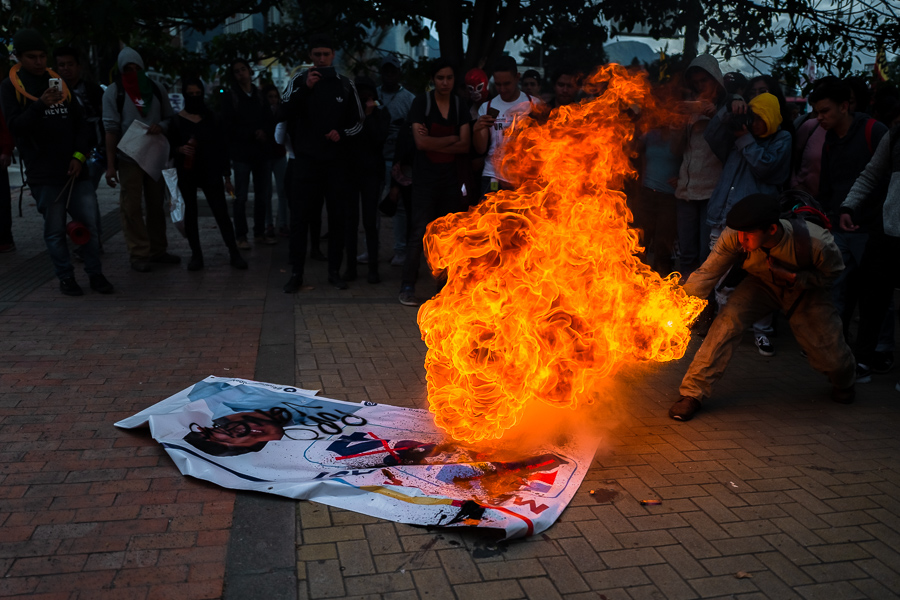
(752, 165)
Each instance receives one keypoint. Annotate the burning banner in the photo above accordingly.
(379, 460)
(545, 299)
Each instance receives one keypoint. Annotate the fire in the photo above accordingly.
(545, 298)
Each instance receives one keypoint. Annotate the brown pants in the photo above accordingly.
(815, 323)
(143, 241)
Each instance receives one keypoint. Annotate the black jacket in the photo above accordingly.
(243, 115)
(47, 137)
(332, 104)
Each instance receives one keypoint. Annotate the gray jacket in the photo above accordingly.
(884, 167)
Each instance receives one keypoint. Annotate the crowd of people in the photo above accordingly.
(713, 196)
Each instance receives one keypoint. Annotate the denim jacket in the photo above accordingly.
(751, 165)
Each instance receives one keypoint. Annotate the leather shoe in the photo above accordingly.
(293, 284)
(101, 284)
(237, 261)
(70, 287)
(337, 282)
(165, 259)
(684, 409)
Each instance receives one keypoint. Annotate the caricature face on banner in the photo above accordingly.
(380, 460)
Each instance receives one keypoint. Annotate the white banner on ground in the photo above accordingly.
(379, 460)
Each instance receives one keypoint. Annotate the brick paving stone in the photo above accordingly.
(500, 590)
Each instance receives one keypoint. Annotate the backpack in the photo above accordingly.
(120, 94)
(799, 207)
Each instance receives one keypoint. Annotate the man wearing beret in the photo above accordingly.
(53, 137)
(789, 266)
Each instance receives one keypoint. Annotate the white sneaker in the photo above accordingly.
(764, 345)
(363, 258)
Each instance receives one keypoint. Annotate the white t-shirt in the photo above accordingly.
(509, 112)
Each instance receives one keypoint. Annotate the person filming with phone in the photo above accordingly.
(53, 136)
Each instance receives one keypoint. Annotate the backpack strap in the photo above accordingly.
(802, 243)
(427, 104)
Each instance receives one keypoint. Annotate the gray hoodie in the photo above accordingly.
(114, 122)
(883, 168)
(700, 168)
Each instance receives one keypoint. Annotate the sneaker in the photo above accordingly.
(408, 296)
(844, 396)
(684, 409)
(165, 259)
(70, 287)
(335, 280)
(141, 266)
(882, 363)
(363, 258)
(10, 247)
(243, 244)
(399, 259)
(764, 345)
(293, 284)
(863, 373)
(101, 284)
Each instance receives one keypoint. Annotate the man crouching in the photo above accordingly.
(789, 264)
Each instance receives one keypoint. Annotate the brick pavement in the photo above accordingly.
(772, 481)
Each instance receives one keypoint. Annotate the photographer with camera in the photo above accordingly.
(53, 137)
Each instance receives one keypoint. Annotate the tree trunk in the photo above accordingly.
(693, 13)
(449, 24)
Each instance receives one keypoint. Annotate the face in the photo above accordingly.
(321, 57)
(752, 240)
(756, 88)
(244, 429)
(193, 91)
(531, 86)
(829, 113)
(273, 98)
(565, 89)
(759, 127)
(390, 75)
(131, 68)
(444, 81)
(68, 68)
(34, 61)
(507, 85)
(702, 83)
(242, 74)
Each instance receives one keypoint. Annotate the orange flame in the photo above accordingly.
(544, 297)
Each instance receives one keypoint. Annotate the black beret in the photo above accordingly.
(27, 40)
(756, 211)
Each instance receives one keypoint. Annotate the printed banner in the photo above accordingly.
(379, 460)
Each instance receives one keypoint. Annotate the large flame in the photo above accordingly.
(545, 298)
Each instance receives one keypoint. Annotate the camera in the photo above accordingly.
(738, 122)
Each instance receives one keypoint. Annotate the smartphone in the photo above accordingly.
(55, 84)
(326, 72)
(494, 112)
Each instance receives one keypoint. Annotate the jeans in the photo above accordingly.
(51, 203)
(315, 181)
(693, 234)
(368, 190)
(261, 169)
(814, 322)
(144, 241)
(844, 290)
(429, 202)
(214, 190)
(279, 170)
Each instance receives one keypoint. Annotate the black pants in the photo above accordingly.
(312, 181)
(214, 190)
(879, 273)
(5, 208)
(429, 202)
(368, 188)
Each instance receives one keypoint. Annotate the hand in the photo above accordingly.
(187, 150)
(370, 106)
(420, 129)
(484, 122)
(333, 135)
(847, 223)
(5, 160)
(312, 78)
(738, 133)
(74, 168)
(394, 194)
(229, 188)
(673, 181)
(51, 96)
(154, 129)
(260, 135)
(780, 272)
(708, 108)
(111, 177)
(738, 107)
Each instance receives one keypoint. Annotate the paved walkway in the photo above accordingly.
(771, 492)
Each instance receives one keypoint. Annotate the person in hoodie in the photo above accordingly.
(53, 137)
(134, 96)
(700, 166)
(250, 125)
(323, 111)
(757, 160)
(850, 142)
